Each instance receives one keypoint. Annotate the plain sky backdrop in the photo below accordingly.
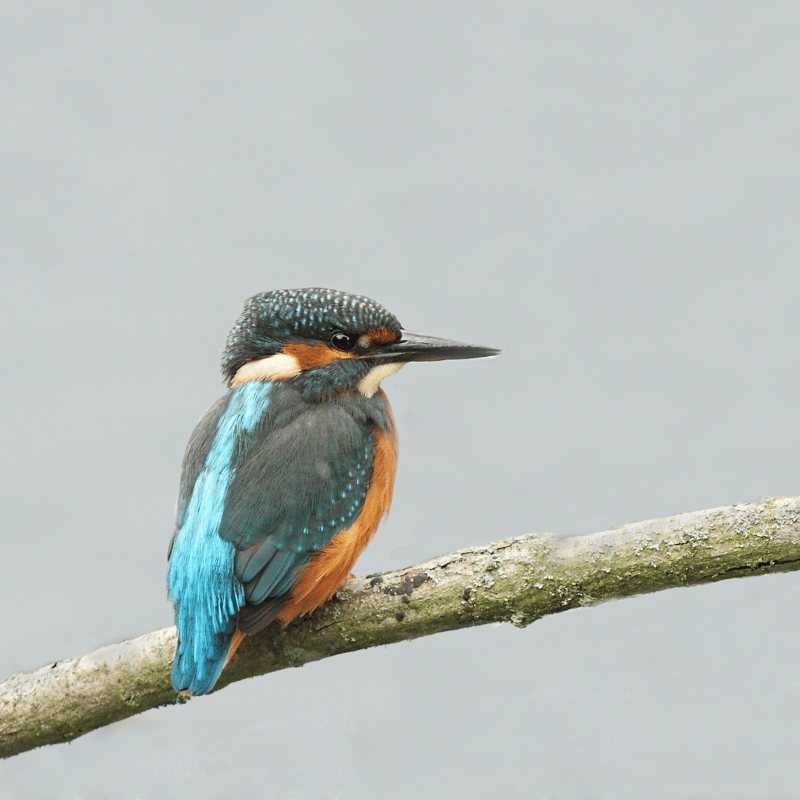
(608, 191)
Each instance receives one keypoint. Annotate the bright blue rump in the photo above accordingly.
(201, 581)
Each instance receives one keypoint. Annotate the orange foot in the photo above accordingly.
(237, 640)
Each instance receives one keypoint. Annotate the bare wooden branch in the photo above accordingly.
(515, 580)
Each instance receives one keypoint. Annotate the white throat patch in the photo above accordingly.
(371, 382)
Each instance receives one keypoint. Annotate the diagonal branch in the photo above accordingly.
(515, 580)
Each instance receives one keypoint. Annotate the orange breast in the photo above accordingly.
(331, 568)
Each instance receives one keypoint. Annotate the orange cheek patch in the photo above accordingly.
(383, 336)
(310, 356)
(331, 568)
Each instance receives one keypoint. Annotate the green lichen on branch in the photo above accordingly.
(516, 580)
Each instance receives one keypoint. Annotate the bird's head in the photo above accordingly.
(327, 342)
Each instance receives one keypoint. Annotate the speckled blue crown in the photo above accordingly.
(271, 319)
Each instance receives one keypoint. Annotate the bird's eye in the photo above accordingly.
(343, 341)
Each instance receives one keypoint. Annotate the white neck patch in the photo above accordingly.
(272, 368)
(371, 382)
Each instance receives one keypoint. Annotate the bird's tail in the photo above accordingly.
(207, 598)
(200, 657)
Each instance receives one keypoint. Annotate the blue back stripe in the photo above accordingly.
(202, 585)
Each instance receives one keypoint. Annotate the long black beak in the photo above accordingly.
(418, 347)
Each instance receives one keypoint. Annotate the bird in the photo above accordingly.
(286, 477)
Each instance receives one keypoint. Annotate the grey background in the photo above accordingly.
(606, 190)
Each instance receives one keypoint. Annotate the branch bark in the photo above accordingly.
(516, 580)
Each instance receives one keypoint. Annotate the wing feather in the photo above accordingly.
(297, 488)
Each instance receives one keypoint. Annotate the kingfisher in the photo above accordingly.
(288, 475)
